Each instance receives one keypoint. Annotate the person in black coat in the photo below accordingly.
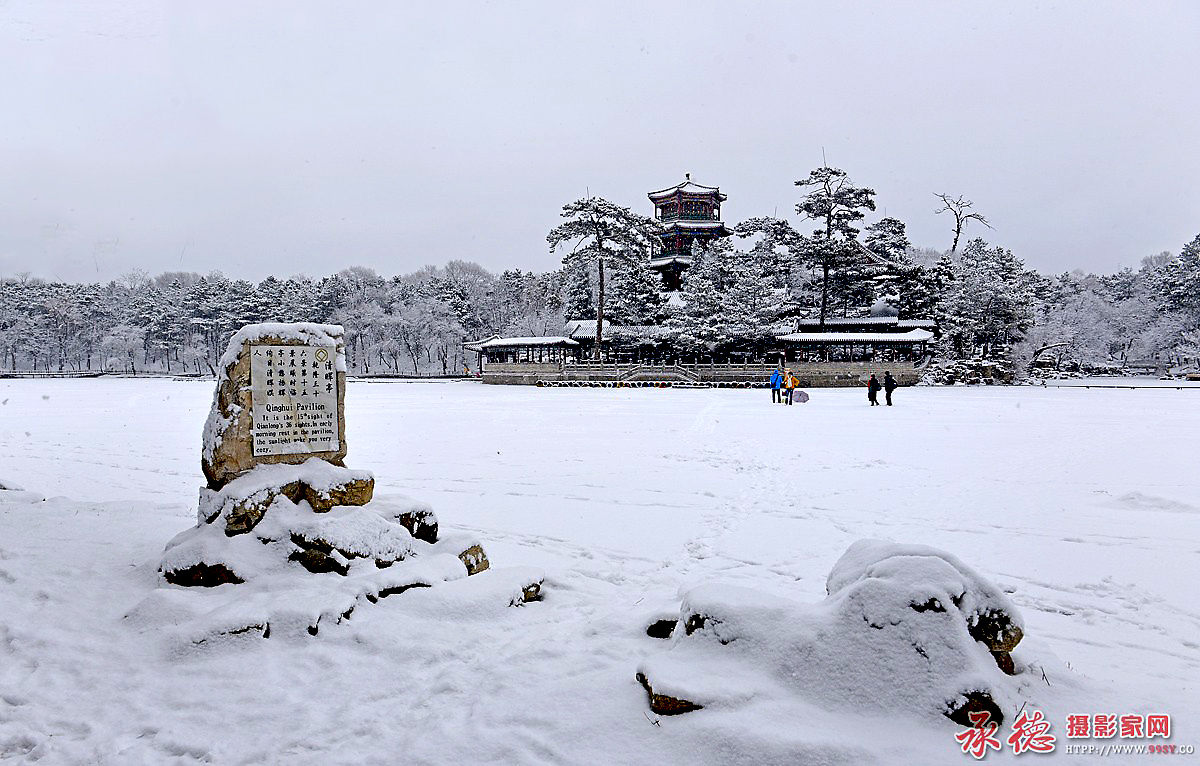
(873, 391)
(889, 385)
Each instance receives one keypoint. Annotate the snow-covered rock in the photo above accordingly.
(904, 629)
(240, 504)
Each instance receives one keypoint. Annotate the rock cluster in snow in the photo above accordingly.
(970, 372)
(274, 522)
(903, 628)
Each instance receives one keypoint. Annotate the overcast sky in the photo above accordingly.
(278, 137)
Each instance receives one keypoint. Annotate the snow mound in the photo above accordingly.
(905, 629)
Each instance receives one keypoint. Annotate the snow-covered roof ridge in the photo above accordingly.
(586, 328)
(532, 340)
(703, 223)
(840, 321)
(685, 260)
(912, 336)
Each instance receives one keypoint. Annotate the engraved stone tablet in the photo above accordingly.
(294, 398)
(279, 399)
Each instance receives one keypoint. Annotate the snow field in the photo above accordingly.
(1082, 505)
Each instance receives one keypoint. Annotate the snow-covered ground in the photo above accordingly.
(1082, 504)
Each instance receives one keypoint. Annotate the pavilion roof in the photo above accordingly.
(683, 260)
(687, 187)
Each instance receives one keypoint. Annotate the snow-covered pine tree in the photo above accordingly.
(603, 233)
(989, 302)
(728, 298)
(887, 239)
(578, 300)
(636, 296)
(836, 204)
(699, 324)
(1181, 286)
(1189, 346)
(752, 300)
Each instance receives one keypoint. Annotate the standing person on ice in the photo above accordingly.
(776, 383)
(790, 382)
(889, 385)
(873, 390)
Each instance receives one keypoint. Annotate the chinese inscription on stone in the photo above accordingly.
(294, 399)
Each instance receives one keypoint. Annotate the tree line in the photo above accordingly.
(180, 322)
(738, 293)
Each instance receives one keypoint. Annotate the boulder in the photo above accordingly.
(991, 619)
(961, 707)
(352, 490)
(903, 628)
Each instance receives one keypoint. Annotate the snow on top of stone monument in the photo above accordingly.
(310, 333)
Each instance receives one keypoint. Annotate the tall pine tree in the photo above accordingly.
(602, 233)
(836, 204)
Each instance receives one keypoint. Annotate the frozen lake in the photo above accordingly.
(1084, 504)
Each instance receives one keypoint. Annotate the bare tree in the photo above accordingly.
(961, 210)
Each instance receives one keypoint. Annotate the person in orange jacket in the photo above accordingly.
(790, 382)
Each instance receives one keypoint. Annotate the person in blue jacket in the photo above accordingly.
(776, 384)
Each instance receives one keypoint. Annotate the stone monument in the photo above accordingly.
(280, 503)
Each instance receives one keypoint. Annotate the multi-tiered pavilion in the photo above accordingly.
(688, 212)
(839, 351)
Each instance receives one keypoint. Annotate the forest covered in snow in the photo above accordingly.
(986, 301)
